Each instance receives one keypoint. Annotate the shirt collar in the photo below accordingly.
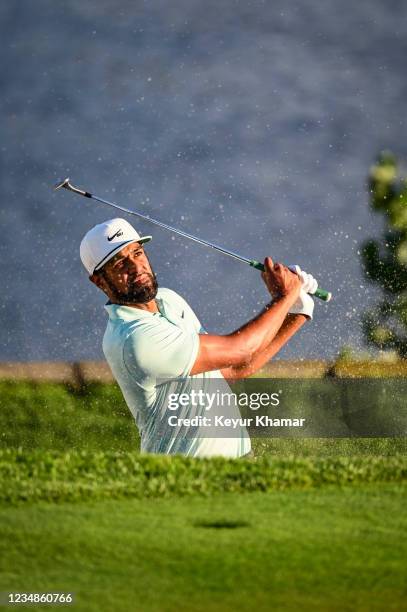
(128, 313)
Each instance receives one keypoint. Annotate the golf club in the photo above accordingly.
(65, 184)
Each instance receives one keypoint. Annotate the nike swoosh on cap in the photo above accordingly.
(118, 233)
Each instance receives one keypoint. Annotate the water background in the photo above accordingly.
(251, 124)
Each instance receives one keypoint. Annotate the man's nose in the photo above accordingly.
(134, 263)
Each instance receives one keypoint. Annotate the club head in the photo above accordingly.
(63, 184)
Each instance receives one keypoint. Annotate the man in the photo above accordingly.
(157, 348)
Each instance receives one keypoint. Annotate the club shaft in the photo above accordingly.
(320, 293)
(171, 229)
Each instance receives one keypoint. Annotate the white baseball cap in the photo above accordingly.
(105, 240)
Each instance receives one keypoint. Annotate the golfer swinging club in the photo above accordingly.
(154, 343)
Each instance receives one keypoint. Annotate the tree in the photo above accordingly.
(385, 260)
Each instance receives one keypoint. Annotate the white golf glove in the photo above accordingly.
(304, 304)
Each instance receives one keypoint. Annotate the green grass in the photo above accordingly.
(57, 476)
(329, 447)
(312, 524)
(56, 417)
(327, 549)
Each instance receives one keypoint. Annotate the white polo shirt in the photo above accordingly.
(151, 356)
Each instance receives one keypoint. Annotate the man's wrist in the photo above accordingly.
(299, 316)
(304, 305)
(287, 299)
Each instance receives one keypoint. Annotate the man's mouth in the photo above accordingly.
(139, 277)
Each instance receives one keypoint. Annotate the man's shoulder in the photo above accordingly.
(181, 305)
(169, 295)
(128, 324)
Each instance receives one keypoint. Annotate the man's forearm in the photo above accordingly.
(291, 324)
(256, 335)
(239, 348)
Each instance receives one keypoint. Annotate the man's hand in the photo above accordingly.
(309, 283)
(245, 350)
(280, 280)
(304, 304)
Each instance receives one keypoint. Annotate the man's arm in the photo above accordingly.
(238, 349)
(291, 325)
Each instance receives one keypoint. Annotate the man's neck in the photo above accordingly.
(150, 306)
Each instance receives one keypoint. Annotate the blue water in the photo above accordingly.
(251, 124)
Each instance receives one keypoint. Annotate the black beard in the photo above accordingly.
(138, 294)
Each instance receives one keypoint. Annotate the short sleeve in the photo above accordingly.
(160, 351)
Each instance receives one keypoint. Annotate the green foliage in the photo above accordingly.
(60, 444)
(385, 260)
(50, 415)
(73, 476)
(55, 417)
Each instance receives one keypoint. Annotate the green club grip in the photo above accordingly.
(323, 295)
